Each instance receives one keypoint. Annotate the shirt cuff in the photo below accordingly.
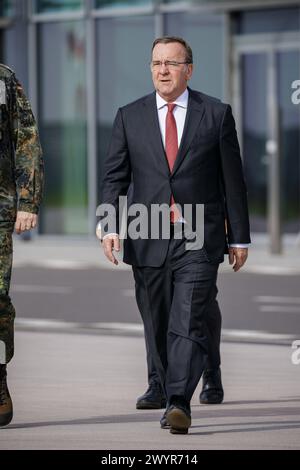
(108, 234)
(239, 245)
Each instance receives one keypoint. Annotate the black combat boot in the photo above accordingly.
(212, 390)
(6, 407)
(153, 398)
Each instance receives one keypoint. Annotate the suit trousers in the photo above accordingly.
(214, 324)
(174, 301)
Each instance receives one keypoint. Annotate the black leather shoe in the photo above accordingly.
(163, 420)
(153, 399)
(212, 390)
(6, 408)
(178, 416)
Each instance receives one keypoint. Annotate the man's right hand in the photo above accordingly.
(111, 243)
(25, 221)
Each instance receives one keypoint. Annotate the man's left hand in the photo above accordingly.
(237, 256)
(25, 221)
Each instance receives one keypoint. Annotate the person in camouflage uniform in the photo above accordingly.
(21, 188)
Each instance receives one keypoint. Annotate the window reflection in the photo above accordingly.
(6, 7)
(263, 21)
(46, 6)
(121, 3)
(289, 138)
(12, 54)
(255, 135)
(62, 122)
(123, 73)
(199, 31)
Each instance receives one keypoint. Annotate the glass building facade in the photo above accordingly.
(79, 60)
(63, 124)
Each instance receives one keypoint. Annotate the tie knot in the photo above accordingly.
(171, 107)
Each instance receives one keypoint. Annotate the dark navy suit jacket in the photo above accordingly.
(208, 170)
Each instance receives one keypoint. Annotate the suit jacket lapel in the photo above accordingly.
(153, 132)
(194, 115)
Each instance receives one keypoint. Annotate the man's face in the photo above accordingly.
(169, 81)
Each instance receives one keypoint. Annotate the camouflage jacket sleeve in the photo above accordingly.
(29, 166)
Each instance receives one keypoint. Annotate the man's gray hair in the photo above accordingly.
(169, 39)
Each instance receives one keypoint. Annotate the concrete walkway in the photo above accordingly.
(79, 252)
(76, 391)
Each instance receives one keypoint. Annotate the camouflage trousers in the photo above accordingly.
(7, 311)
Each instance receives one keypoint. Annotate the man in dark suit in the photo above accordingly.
(179, 148)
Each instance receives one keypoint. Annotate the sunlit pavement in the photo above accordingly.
(75, 391)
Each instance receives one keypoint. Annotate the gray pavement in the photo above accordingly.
(254, 306)
(76, 391)
(66, 283)
(72, 252)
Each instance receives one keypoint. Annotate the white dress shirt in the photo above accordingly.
(179, 114)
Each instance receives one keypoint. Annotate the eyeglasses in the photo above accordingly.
(171, 64)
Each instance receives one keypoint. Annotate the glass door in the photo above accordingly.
(255, 135)
(269, 132)
(288, 70)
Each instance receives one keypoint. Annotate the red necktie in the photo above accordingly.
(171, 149)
